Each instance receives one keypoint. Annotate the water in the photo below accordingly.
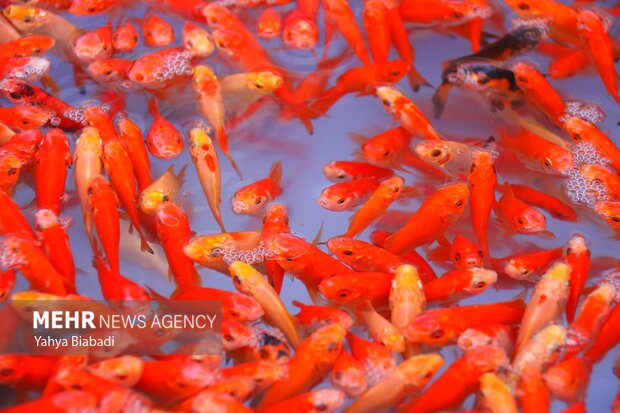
(256, 144)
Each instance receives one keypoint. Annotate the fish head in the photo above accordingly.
(341, 289)
(452, 200)
(264, 82)
(276, 218)
(270, 345)
(481, 279)
(557, 160)
(389, 96)
(300, 33)
(26, 19)
(349, 375)
(335, 173)
(427, 329)
(34, 45)
(246, 278)
(151, 200)
(201, 147)
(10, 166)
(527, 76)
(269, 24)
(215, 14)
(30, 117)
(12, 368)
(529, 8)
(197, 40)
(17, 91)
(325, 344)
(169, 215)
(290, 251)
(109, 70)
(391, 72)
(465, 254)
(530, 221)
(165, 141)
(204, 80)
(88, 7)
(334, 198)
(610, 212)
(249, 201)
(45, 219)
(228, 41)
(326, 400)
(420, 369)
(125, 38)
(436, 152)
(92, 46)
(156, 31)
(472, 338)
(518, 269)
(379, 151)
(236, 335)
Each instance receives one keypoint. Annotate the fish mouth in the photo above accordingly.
(239, 207)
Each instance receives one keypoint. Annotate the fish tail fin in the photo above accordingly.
(275, 274)
(327, 99)
(181, 175)
(220, 222)
(416, 80)
(152, 107)
(234, 164)
(275, 174)
(440, 98)
(222, 140)
(144, 246)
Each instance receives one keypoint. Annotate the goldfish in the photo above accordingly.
(610, 180)
(379, 329)
(610, 212)
(13, 221)
(54, 239)
(115, 286)
(209, 250)
(311, 317)
(156, 31)
(253, 198)
(103, 204)
(568, 64)
(312, 361)
(163, 140)
(130, 135)
(235, 335)
(117, 165)
(517, 216)
(90, 7)
(94, 45)
(454, 158)
(569, 379)
(345, 171)
(442, 326)
(23, 145)
(482, 181)
(338, 14)
(437, 12)
(578, 257)
(410, 376)
(207, 86)
(364, 257)
(241, 91)
(407, 113)
(347, 195)
(498, 335)
(533, 393)
(496, 394)
(362, 80)
(208, 400)
(29, 45)
(593, 31)
(235, 306)
(269, 24)
(539, 92)
(174, 232)
(204, 157)
(249, 281)
(437, 212)
(458, 381)
(583, 131)
(525, 266)
(24, 117)
(324, 400)
(10, 167)
(267, 345)
(376, 359)
(542, 350)
(358, 287)
(30, 260)
(407, 298)
(52, 159)
(125, 38)
(99, 119)
(556, 207)
(299, 31)
(113, 72)
(348, 374)
(381, 198)
(87, 158)
(465, 254)
(547, 302)
(386, 149)
(607, 337)
(454, 285)
(161, 69)
(29, 69)
(197, 41)
(163, 189)
(592, 314)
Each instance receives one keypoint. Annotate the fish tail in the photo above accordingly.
(275, 174)
(144, 246)
(234, 164)
(152, 108)
(218, 217)
(322, 105)
(275, 274)
(439, 99)
(416, 80)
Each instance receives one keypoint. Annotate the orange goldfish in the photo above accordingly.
(204, 157)
(442, 326)
(568, 64)
(465, 254)
(24, 117)
(542, 350)
(578, 257)
(407, 113)
(275, 222)
(209, 250)
(312, 317)
(347, 195)
(163, 189)
(251, 282)
(163, 139)
(376, 359)
(338, 14)
(174, 232)
(115, 286)
(517, 216)
(197, 41)
(382, 197)
(458, 284)
(53, 235)
(452, 158)
(235, 306)
(583, 131)
(364, 257)
(407, 299)
(153, 71)
(525, 266)
(610, 212)
(546, 304)
(610, 180)
(482, 181)
(125, 38)
(94, 45)
(348, 374)
(113, 72)
(408, 377)
(458, 381)
(533, 393)
(10, 167)
(253, 198)
(437, 212)
(312, 361)
(320, 400)
(103, 204)
(52, 159)
(438, 12)
(345, 171)
(91, 7)
(496, 394)
(539, 92)
(12, 219)
(607, 338)
(355, 288)
(299, 31)
(130, 135)
(23, 145)
(269, 24)
(556, 207)
(88, 164)
(156, 31)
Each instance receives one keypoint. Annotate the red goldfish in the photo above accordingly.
(253, 198)
(345, 171)
(162, 139)
(53, 157)
(578, 257)
(348, 374)
(55, 240)
(347, 195)
(517, 216)
(103, 204)
(125, 38)
(156, 31)
(269, 24)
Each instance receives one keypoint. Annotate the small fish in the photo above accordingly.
(338, 14)
(269, 24)
(125, 38)
(91, 7)
(407, 299)
(496, 394)
(312, 317)
(163, 189)
(517, 216)
(526, 266)
(114, 72)
(569, 379)
(197, 41)
(539, 92)
(542, 350)
(364, 257)
(532, 391)
(610, 213)
(319, 400)
(345, 171)
(13, 221)
(241, 91)
(131, 136)
(348, 375)
(607, 337)
(610, 180)
(163, 140)
(556, 207)
(454, 158)
(10, 167)
(115, 286)
(55, 242)
(347, 195)
(353, 289)
(578, 258)
(94, 45)
(52, 159)
(581, 130)
(156, 31)
(24, 117)
(275, 221)
(103, 204)
(377, 360)
(253, 198)
(299, 31)
(458, 284)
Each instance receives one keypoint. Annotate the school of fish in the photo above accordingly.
(435, 216)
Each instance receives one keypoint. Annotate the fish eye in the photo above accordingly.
(105, 48)
(480, 284)
(165, 198)
(386, 153)
(394, 73)
(522, 79)
(25, 122)
(228, 337)
(347, 252)
(395, 189)
(386, 102)
(547, 162)
(15, 95)
(36, 50)
(484, 80)
(457, 15)
(525, 272)
(344, 293)
(576, 136)
(258, 85)
(341, 201)
(458, 203)
(115, 37)
(28, 19)
(264, 354)
(258, 200)
(457, 257)
(107, 72)
(91, 9)
(77, 386)
(615, 219)
(523, 6)
(135, 39)
(289, 259)
(341, 175)
(332, 346)
(435, 153)
(521, 221)
(236, 279)
(437, 333)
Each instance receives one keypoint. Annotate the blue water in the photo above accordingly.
(257, 143)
